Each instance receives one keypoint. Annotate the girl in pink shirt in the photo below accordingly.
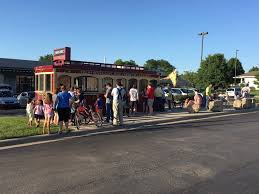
(49, 112)
(38, 112)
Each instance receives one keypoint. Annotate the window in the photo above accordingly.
(41, 82)
(176, 91)
(107, 80)
(48, 82)
(37, 81)
(91, 84)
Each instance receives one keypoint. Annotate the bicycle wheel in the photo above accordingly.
(97, 120)
(87, 119)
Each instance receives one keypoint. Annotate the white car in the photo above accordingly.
(232, 91)
(24, 96)
(7, 100)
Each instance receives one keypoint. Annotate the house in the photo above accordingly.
(19, 74)
(249, 78)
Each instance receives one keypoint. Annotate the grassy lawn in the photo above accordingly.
(255, 92)
(16, 126)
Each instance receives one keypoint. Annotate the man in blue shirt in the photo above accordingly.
(63, 108)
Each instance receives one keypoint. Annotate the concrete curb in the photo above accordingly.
(130, 127)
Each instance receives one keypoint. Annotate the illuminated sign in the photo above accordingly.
(62, 54)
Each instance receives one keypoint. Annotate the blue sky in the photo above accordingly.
(131, 29)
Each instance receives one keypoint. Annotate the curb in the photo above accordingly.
(129, 127)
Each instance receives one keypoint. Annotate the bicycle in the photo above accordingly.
(84, 115)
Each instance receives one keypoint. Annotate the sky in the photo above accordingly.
(131, 29)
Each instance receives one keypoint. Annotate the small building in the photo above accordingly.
(19, 74)
(249, 78)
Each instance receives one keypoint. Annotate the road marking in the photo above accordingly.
(121, 130)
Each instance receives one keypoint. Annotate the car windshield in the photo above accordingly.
(230, 90)
(5, 94)
(176, 91)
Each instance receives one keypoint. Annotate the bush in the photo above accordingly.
(242, 85)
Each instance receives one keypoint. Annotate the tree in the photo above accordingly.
(191, 78)
(231, 69)
(213, 70)
(257, 80)
(46, 58)
(161, 65)
(254, 68)
(126, 63)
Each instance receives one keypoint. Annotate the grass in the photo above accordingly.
(255, 92)
(16, 126)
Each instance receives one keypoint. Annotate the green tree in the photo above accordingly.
(126, 63)
(257, 80)
(213, 70)
(191, 77)
(254, 68)
(231, 69)
(161, 65)
(46, 58)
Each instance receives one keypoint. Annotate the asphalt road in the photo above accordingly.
(210, 156)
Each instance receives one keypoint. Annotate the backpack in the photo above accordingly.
(120, 97)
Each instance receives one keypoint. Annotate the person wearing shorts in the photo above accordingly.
(63, 108)
(150, 98)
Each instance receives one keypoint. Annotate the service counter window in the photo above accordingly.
(47, 82)
(41, 82)
(91, 84)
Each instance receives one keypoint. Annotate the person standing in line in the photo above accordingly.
(63, 108)
(169, 97)
(150, 98)
(134, 97)
(145, 98)
(72, 92)
(29, 111)
(54, 98)
(208, 95)
(48, 113)
(159, 98)
(99, 105)
(108, 103)
(117, 105)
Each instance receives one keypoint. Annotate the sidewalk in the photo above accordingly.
(138, 122)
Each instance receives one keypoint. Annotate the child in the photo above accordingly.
(29, 111)
(48, 112)
(38, 112)
(99, 106)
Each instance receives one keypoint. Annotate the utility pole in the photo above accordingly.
(236, 68)
(202, 34)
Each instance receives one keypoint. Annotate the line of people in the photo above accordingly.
(58, 108)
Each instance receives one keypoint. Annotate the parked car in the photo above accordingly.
(232, 91)
(7, 100)
(182, 91)
(24, 96)
(6, 87)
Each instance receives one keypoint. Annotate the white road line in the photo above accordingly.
(121, 130)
